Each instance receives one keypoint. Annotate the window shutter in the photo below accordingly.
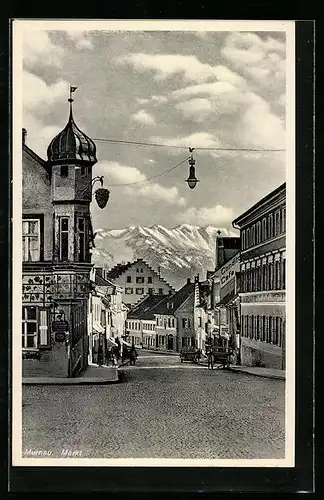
(43, 327)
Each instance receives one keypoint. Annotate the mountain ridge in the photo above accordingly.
(181, 252)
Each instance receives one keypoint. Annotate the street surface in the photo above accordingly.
(165, 409)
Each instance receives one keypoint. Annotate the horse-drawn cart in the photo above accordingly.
(219, 356)
(190, 354)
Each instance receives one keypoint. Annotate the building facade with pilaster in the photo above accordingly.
(262, 287)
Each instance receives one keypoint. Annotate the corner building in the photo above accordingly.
(263, 281)
(56, 241)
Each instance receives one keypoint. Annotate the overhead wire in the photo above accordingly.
(152, 144)
(153, 176)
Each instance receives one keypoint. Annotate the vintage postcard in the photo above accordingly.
(153, 243)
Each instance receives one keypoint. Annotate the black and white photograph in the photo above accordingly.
(153, 243)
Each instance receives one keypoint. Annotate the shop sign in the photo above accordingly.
(229, 269)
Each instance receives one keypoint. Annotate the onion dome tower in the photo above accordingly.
(71, 144)
(71, 156)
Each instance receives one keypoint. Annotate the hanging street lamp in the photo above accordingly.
(192, 179)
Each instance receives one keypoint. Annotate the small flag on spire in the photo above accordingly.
(73, 89)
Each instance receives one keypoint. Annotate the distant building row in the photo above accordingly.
(241, 302)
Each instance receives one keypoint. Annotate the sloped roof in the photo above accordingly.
(100, 281)
(176, 299)
(144, 310)
(280, 189)
(120, 269)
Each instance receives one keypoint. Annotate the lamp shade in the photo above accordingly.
(192, 180)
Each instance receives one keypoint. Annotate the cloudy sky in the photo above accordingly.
(197, 89)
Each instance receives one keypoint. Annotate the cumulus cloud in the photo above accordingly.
(144, 117)
(125, 175)
(80, 38)
(36, 91)
(166, 65)
(39, 135)
(254, 124)
(217, 215)
(197, 140)
(38, 48)
(196, 109)
(262, 60)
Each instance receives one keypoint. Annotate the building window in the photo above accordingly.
(185, 323)
(248, 240)
(258, 232)
(271, 276)
(83, 171)
(29, 327)
(31, 240)
(264, 233)
(243, 240)
(283, 220)
(266, 329)
(64, 238)
(253, 235)
(140, 280)
(262, 328)
(160, 291)
(199, 322)
(139, 291)
(278, 275)
(128, 279)
(149, 279)
(277, 222)
(283, 274)
(251, 327)
(270, 226)
(64, 170)
(81, 239)
(270, 329)
(128, 291)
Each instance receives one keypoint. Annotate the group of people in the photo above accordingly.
(113, 355)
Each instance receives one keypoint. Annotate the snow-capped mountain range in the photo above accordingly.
(181, 252)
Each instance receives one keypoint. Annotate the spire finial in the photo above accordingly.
(72, 89)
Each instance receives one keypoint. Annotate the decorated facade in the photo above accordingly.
(56, 252)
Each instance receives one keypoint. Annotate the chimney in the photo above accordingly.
(188, 281)
(170, 292)
(197, 278)
(24, 135)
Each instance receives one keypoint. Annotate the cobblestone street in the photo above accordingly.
(164, 410)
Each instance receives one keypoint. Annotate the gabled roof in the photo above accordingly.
(35, 156)
(144, 310)
(175, 300)
(116, 271)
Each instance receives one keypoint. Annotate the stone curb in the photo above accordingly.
(73, 381)
(83, 381)
(264, 375)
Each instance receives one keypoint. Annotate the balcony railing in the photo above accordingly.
(44, 288)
